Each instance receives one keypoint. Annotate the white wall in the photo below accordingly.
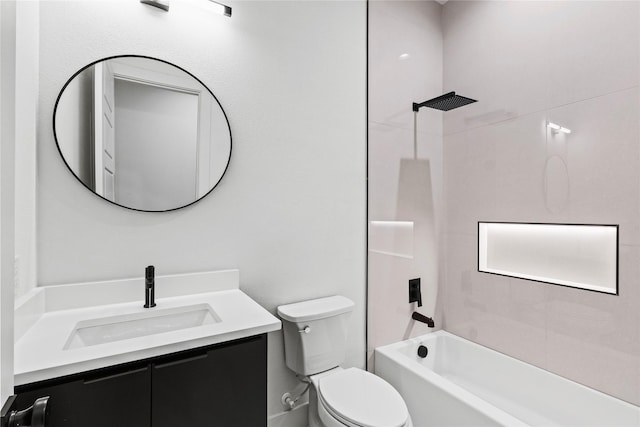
(7, 201)
(289, 213)
(576, 64)
(405, 188)
(25, 264)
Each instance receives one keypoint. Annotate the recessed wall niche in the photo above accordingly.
(575, 255)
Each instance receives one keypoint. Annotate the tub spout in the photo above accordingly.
(422, 318)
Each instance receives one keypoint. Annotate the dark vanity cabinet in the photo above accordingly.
(220, 385)
(217, 386)
(105, 398)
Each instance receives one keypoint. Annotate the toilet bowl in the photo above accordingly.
(355, 398)
(315, 337)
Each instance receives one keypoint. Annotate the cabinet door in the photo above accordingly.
(102, 399)
(220, 386)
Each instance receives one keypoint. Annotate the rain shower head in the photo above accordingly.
(445, 102)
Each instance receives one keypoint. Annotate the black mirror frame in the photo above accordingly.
(55, 135)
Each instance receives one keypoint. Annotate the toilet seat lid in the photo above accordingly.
(363, 399)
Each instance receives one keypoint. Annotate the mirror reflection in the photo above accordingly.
(142, 133)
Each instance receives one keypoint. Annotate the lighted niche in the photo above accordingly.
(579, 256)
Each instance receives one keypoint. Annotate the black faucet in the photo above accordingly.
(416, 296)
(149, 287)
(422, 318)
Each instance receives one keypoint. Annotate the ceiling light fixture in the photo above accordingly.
(222, 9)
(160, 4)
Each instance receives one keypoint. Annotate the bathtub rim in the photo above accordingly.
(392, 352)
(455, 391)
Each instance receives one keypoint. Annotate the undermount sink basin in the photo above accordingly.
(155, 321)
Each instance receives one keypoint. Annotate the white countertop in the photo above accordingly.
(40, 353)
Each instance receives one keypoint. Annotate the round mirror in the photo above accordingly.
(142, 133)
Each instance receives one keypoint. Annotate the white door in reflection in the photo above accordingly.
(157, 145)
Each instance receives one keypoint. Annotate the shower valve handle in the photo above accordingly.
(414, 291)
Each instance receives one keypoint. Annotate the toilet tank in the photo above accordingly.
(315, 333)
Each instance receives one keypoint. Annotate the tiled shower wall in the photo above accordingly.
(405, 183)
(575, 64)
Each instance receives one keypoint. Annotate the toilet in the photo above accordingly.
(315, 340)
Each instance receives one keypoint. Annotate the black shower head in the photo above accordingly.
(445, 102)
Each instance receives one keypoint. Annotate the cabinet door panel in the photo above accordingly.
(105, 399)
(222, 386)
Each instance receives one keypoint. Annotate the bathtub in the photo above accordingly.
(460, 383)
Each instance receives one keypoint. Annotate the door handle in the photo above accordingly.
(34, 416)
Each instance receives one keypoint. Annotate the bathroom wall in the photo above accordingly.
(290, 213)
(405, 180)
(7, 201)
(26, 64)
(572, 63)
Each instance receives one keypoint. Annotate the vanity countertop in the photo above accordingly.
(42, 351)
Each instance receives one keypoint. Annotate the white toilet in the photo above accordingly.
(315, 337)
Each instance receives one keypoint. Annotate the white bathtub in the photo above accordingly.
(461, 383)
